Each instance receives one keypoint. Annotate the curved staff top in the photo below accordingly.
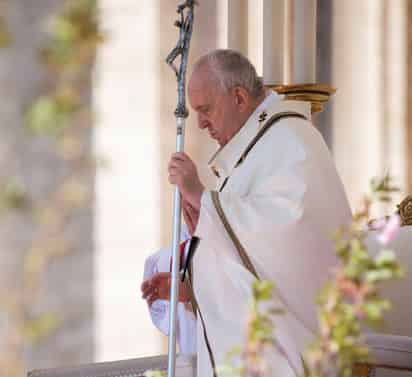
(185, 25)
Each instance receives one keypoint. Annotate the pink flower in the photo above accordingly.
(390, 230)
(377, 224)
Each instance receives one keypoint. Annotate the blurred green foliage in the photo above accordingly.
(154, 373)
(52, 114)
(74, 37)
(352, 298)
(36, 329)
(61, 111)
(249, 360)
(5, 38)
(13, 196)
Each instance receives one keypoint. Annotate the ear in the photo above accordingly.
(241, 98)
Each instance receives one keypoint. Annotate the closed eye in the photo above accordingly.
(204, 109)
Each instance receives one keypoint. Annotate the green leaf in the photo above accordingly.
(374, 309)
(234, 352)
(40, 327)
(379, 275)
(13, 196)
(64, 30)
(5, 38)
(44, 117)
(154, 373)
(49, 115)
(385, 257)
(277, 311)
(262, 290)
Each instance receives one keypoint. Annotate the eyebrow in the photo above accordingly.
(201, 107)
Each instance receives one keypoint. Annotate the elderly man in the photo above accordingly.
(277, 202)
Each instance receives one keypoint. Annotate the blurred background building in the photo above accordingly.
(363, 48)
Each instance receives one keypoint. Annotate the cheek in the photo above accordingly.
(219, 118)
(203, 120)
(225, 118)
(200, 118)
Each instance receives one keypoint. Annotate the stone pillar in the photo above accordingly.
(266, 39)
(324, 64)
(128, 194)
(282, 40)
(65, 285)
(408, 128)
(356, 122)
(303, 40)
(395, 88)
(232, 28)
(368, 68)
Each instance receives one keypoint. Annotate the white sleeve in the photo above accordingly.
(159, 311)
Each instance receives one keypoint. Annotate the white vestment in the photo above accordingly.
(284, 201)
(159, 311)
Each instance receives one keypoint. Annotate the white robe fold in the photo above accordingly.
(159, 311)
(283, 202)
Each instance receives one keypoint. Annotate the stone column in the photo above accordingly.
(395, 89)
(232, 28)
(266, 39)
(368, 68)
(356, 107)
(303, 41)
(324, 64)
(128, 194)
(408, 128)
(65, 285)
(282, 40)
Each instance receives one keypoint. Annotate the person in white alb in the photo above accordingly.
(277, 202)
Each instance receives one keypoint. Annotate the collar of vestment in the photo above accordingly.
(224, 160)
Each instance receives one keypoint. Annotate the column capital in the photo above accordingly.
(316, 94)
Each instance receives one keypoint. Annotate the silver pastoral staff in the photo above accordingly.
(185, 25)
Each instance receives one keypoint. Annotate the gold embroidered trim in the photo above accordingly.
(272, 120)
(405, 210)
(241, 251)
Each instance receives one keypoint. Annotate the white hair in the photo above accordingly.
(230, 69)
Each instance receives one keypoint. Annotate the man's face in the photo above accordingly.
(216, 111)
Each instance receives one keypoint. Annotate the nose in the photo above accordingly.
(202, 122)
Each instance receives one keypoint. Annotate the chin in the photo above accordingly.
(221, 143)
(217, 140)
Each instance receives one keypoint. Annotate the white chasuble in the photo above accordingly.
(283, 201)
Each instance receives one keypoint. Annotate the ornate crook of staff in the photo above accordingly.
(185, 25)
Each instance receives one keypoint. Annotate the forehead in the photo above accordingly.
(201, 88)
(200, 79)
